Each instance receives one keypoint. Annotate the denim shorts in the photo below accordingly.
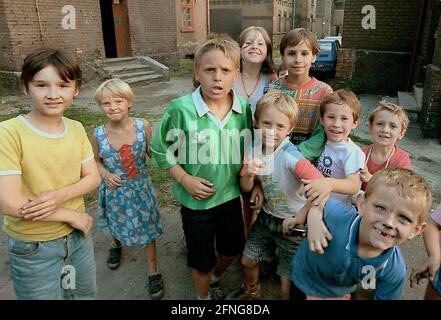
(265, 232)
(436, 283)
(51, 270)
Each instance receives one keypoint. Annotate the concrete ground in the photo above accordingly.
(127, 282)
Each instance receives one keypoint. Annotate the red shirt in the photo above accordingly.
(399, 159)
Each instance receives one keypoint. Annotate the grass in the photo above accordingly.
(362, 141)
(185, 68)
(276, 53)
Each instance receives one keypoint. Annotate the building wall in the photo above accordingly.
(387, 47)
(188, 41)
(153, 30)
(20, 32)
(395, 25)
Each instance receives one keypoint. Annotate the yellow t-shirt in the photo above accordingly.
(45, 162)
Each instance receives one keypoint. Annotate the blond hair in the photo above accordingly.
(283, 102)
(392, 108)
(342, 96)
(408, 185)
(297, 36)
(222, 42)
(115, 88)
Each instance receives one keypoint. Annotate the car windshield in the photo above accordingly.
(325, 46)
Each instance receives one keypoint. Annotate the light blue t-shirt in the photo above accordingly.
(340, 269)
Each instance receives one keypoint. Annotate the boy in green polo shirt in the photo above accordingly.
(201, 140)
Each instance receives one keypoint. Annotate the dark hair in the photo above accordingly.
(268, 65)
(298, 35)
(65, 64)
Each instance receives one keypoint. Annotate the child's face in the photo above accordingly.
(254, 48)
(298, 59)
(51, 95)
(388, 219)
(386, 128)
(216, 74)
(338, 121)
(115, 108)
(275, 126)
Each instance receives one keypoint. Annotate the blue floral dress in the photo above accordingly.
(129, 212)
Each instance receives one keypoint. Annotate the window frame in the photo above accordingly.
(183, 7)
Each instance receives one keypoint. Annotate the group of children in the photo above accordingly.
(243, 140)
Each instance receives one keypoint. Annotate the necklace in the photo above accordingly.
(245, 89)
(388, 159)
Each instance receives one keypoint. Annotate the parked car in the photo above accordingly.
(327, 57)
(338, 38)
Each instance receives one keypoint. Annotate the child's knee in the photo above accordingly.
(247, 262)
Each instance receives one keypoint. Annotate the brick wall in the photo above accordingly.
(188, 41)
(153, 30)
(345, 64)
(396, 22)
(23, 27)
(430, 116)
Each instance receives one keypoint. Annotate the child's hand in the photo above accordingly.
(256, 199)
(365, 175)
(318, 234)
(198, 187)
(82, 222)
(427, 270)
(42, 206)
(317, 191)
(112, 180)
(288, 225)
(254, 165)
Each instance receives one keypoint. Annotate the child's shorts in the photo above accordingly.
(216, 229)
(436, 283)
(266, 231)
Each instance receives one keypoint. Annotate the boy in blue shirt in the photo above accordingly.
(364, 247)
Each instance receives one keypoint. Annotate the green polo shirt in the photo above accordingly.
(205, 146)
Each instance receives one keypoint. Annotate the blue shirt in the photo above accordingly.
(340, 269)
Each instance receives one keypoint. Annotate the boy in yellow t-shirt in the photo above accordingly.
(46, 166)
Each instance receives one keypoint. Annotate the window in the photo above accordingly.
(187, 15)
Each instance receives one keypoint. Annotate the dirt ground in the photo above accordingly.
(127, 282)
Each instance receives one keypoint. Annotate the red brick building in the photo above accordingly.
(91, 29)
(395, 51)
(193, 24)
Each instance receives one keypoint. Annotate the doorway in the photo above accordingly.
(115, 26)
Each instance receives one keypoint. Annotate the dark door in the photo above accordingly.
(121, 22)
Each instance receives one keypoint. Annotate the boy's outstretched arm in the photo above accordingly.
(430, 266)
(320, 189)
(318, 233)
(48, 202)
(248, 174)
(198, 187)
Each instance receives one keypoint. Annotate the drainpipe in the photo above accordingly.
(208, 17)
(39, 21)
(293, 13)
(416, 44)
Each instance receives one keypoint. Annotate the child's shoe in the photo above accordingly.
(245, 294)
(214, 292)
(156, 286)
(114, 259)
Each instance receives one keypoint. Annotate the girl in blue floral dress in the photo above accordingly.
(127, 204)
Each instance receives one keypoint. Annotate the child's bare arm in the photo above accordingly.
(12, 201)
(46, 203)
(199, 188)
(365, 175)
(111, 180)
(247, 181)
(148, 133)
(321, 188)
(318, 234)
(430, 266)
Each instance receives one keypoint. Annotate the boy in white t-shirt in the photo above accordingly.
(342, 159)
